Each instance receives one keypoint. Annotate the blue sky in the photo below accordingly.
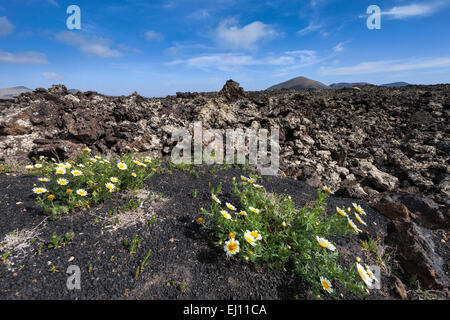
(159, 47)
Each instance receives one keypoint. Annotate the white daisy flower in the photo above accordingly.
(122, 166)
(243, 178)
(326, 284)
(324, 243)
(231, 247)
(76, 173)
(29, 167)
(363, 274)
(230, 206)
(60, 170)
(341, 212)
(359, 219)
(242, 213)
(38, 165)
(43, 179)
(62, 182)
(82, 192)
(254, 210)
(225, 214)
(358, 209)
(327, 190)
(114, 179)
(249, 238)
(39, 190)
(257, 186)
(256, 235)
(353, 225)
(110, 186)
(215, 199)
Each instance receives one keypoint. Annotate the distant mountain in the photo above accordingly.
(395, 84)
(9, 93)
(342, 85)
(299, 83)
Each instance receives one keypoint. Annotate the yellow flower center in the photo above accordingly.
(232, 247)
(249, 239)
(326, 285)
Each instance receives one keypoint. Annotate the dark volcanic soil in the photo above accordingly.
(181, 251)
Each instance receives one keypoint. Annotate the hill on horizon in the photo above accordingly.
(395, 84)
(299, 83)
(8, 93)
(341, 85)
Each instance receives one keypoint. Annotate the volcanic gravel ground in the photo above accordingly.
(184, 262)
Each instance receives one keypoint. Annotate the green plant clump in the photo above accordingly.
(267, 230)
(87, 180)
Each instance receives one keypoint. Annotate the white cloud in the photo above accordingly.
(198, 15)
(153, 35)
(234, 61)
(52, 76)
(6, 27)
(53, 2)
(371, 67)
(340, 47)
(310, 28)
(412, 10)
(29, 57)
(247, 37)
(92, 46)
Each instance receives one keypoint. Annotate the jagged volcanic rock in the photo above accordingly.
(369, 141)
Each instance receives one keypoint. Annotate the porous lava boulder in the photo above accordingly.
(232, 92)
(416, 252)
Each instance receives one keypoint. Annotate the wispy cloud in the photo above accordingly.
(340, 46)
(199, 15)
(152, 35)
(310, 28)
(412, 10)
(247, 37)
(235, 61)
(6, 27)
(30, 57)
(371, 67)
(53, 3)
(92, 46)
(52, 76)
